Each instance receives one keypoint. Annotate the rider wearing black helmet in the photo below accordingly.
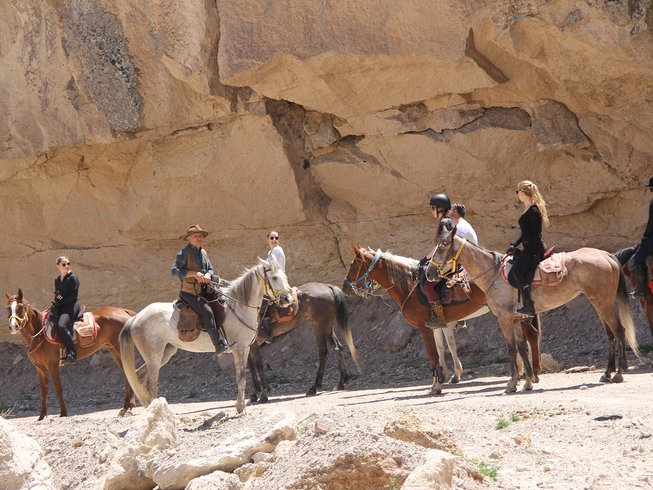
(645, 249)
(440, 206)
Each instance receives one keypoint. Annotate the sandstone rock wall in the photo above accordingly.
(126, 121)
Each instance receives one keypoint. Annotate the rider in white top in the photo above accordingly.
(463, 228)
(275, 249)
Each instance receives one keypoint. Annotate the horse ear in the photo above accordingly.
(19, 296)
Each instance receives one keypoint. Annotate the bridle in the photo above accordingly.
(369, 285)
(21, 322)
(270, 291)
(439, 266)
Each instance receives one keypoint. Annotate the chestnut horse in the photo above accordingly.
(590, 271)
(395, 274)
(624, 255)
(324, 305)
(24, 318)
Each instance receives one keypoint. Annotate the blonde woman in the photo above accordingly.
(531, 222)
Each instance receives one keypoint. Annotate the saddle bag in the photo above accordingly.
(189, 324)
(86, 330)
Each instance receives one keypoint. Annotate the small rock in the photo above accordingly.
(583, 387)
(323, 425)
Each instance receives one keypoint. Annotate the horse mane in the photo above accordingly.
(623, 255)
(398, 267)
(241, 287)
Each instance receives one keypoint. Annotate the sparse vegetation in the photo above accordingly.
(502, 423)
(489, 470)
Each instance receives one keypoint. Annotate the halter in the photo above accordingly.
(369, 285)
(20, 321)
(453, 261)
(273, 294)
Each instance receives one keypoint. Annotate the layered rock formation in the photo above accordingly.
(124, 122)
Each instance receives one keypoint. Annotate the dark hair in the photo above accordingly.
(458, 208)
(61, 259)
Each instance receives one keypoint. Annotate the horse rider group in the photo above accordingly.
(531, 222)
(195, 272)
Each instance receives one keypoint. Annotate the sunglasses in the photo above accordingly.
(274, 238)
(64, 264)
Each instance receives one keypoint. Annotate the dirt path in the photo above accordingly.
(547, 438)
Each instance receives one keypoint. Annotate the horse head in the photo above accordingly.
(276, 282)
(443, 261)
(358, 280)
(17, 312)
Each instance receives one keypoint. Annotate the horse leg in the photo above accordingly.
(53, 367)
(522, 348)
(43, 391)
(532, 333)
(506, 322)
(257, 371)
(322, 353)
(130, 397)
(240, 363)
(612, 353)
(434, 359)
(337, 348)
(453, 348)
(439, 345)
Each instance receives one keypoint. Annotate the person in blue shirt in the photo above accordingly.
(193, 268)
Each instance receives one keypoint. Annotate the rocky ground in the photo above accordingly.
(570, 432)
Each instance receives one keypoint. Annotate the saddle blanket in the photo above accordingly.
(549, 272)
(84, 331)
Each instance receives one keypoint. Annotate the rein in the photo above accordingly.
(453, 261)
(369, 285)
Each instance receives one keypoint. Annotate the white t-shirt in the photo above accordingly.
(465, 230)
(277, 253)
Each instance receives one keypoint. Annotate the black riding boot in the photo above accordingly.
(218, 341)
(70, 345)
(265, 329)
(642, 279)
(528, 308)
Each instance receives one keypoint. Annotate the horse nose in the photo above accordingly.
(346, 288)
(285, 300)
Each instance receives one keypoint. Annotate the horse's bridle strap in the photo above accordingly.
(453, 260)
(363, 277)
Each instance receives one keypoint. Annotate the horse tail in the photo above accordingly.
(624, 315)
(623, 255)
(127, 352)
(342, 319)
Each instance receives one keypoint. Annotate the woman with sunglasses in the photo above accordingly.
(531, 223)
(277, 252)
(64, 305)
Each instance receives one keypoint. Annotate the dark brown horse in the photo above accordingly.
(322, 305)
(624, 255)
(395, 274)
(26, 320)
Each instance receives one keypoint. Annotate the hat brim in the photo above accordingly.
(185, 237)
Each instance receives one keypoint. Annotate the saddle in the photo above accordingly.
(85, 329)
(285, 314)
(550, 272)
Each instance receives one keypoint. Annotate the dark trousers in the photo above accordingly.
(201, 306)
(64, 323)
(645, 249)
(524, 267)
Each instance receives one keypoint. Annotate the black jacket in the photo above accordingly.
(648, 232)
(69, 289)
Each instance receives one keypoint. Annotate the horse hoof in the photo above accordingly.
(263, 399)
(527, 386)
(454, 379)
(312, 391)
(511, 389)
(340, 387)
(605, 379)
(536, 379)
(253, 398)
(618, 378)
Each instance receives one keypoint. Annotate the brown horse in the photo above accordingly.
(624, 255)
(395, 274)
(323, 305)
(592, 272)
(24, 318)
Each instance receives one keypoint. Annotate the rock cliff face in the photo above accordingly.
(126, 121)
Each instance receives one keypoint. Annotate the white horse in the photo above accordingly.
(153, 331)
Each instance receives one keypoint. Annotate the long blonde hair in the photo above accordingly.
(531, 190)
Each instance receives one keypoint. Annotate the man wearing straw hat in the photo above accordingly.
(193, 268)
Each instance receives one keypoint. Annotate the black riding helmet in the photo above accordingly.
(441, 201)
(650, 182)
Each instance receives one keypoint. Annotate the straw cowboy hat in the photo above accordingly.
(193, 229)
